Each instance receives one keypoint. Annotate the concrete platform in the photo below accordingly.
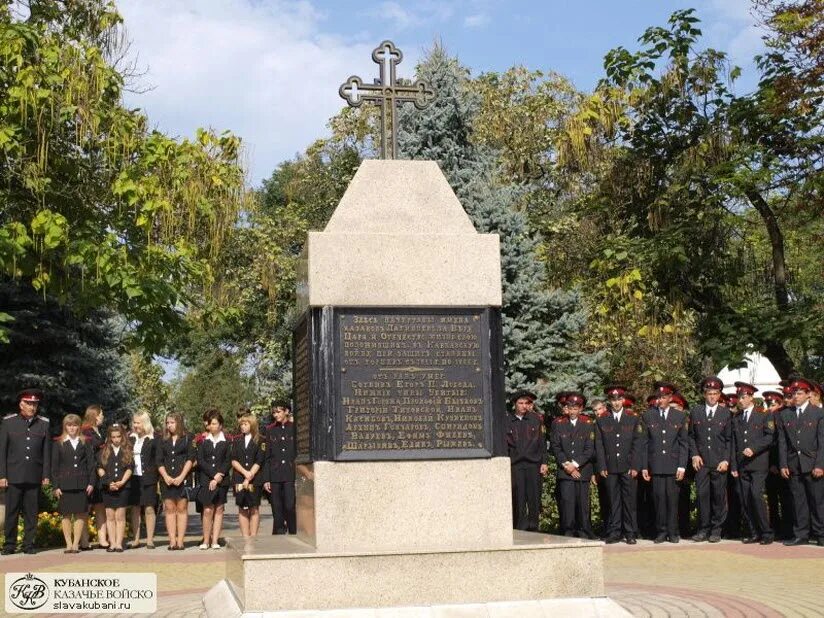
(279, 574)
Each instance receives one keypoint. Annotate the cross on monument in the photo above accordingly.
(386, 92)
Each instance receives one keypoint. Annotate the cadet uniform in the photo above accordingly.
(664, 457)
(801, 451)
(143, 484)
(779, 498)
(753, 429)
(25, 463)
(74, 468)
(646, 506)
(213, 458)
(685, 486)
(619, 440)
(527, 449)
(247, 455)
(710, 438)
(114, 469)
(279, 472)
(574, 442)
(173, 455)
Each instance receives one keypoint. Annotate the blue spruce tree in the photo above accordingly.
(540, 325)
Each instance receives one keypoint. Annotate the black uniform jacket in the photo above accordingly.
(148, 460)
(711, 439)
(214, 458)
(173, 456)
(759, 435)
(573, 443)
(801, 440)
(525, 439)
(25, 449)
(73, 468)
(114, 469)
(248, 456)
(619, 444)
(279, 460)
(667, 441)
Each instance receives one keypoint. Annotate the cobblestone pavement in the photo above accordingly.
(688, 579)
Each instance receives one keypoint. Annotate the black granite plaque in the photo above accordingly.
(399, 383)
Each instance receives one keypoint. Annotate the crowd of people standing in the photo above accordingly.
(756, 462)
(132, 469)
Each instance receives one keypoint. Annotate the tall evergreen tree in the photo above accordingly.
(540, 325)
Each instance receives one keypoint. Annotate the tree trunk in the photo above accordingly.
(775, 350)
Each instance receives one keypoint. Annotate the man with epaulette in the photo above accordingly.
(572, 440)
(646, 506)
(753, 437)
(619, 441)
(279, 469)
(526, 446)
(679, 402)
(779, 498)
(710, 440)
(801, 458)
(25, 462)
(665, 459)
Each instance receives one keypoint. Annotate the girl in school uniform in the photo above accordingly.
(143, 484)
(92, 420)
(175, 456)
(247, 461)
(73, 478)
(214, 462)
(115, 469)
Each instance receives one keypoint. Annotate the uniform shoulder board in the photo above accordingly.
(262, 445)
(536, 415)
(43, 418)
(10, 415)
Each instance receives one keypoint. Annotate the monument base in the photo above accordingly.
(275, 575)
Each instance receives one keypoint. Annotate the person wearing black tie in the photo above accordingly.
(801, 459)
(664, 461)
(572, 440)
(710, 440)
(619, 440)
(753, 437)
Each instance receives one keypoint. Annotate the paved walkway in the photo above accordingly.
(727, 579)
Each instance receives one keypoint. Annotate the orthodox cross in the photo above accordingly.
(386, 92)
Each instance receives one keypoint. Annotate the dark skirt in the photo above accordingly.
(213, 498)
(140, 494)
(250, 498)
(73, 502)
(172, 492)
(116, 499)
(97, 495)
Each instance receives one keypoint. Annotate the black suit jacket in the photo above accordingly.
(618, 446)
(801, 440)
(25, 449)
(248, 456)
(525, 439)
(576, 444)
(213, 459)
(279, 462)
(759, 435)
(711, 439)
(148, 460)
(667, 441)
(72, 468)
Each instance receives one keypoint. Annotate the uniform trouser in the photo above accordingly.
(685, 501)
(282, 500)
(780, 505)
(573, 508)
(732, 527)
(665, 497)
(621, 498)
(646, 509)
(711, 489)
(526, 495)
(752, 501)
(21, 496)
(808, 505)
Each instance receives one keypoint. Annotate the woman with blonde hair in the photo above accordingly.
(247, 461)
(115, 469)
(92, 420)
(73, 478)
(176, 455)
(143, 484)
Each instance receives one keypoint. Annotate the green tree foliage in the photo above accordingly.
(75, 361)
(96, 209)
(541, 326)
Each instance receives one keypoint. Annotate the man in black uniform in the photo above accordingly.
(25, 462)
(801, 458)
(526, 444)
(572, 440)
(753, 438)
(710, 440)
(279, 470)
(619, 441)
(779, 498)
(665, 460)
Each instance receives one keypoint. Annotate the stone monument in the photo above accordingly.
(403, 490)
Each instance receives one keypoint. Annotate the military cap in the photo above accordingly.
(678, 398)
(32, 395)
(575, 399)
(663, 388)
(712, 383)
(801, 384)
(730, 398)
(744, 388)
(773, 396)
(629, 400)
(560, 398)
(651, 399)
(615, 390)
(523, 394)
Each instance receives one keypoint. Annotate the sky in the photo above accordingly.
(269, 70)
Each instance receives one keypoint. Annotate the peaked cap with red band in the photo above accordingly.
(615, 390)
(629, 400)
(679, 399)
(801, 384)
(524, 395)
(32, 395)
(663, 388)
(773, 396)
(575, 399)
(651, 400)
(743, 388)
(730, 398)
(712, 383)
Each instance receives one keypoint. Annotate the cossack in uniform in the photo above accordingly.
(279, 472)
(527, 450)
(74, 469)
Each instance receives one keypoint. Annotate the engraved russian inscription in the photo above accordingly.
(302, 384)
(412, 381)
